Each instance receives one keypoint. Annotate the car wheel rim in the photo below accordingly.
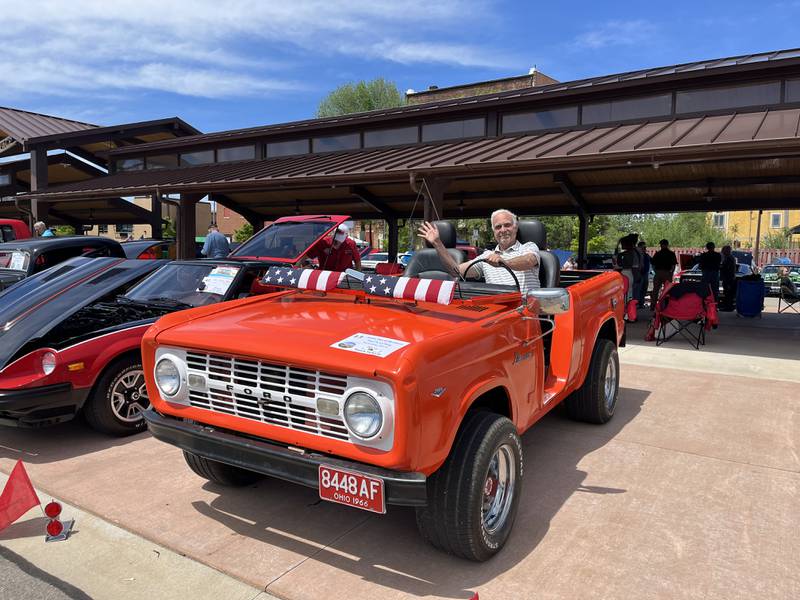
(129, 397)
(498, 489)
(610, 384)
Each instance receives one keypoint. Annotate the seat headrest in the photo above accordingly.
(447, 233)
(532, 231)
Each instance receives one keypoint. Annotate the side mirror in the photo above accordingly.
(548, 301)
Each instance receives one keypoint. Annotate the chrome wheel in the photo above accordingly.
(610, 384)
(129, 396)
(498, 489)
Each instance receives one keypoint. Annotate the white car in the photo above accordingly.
(370, 260)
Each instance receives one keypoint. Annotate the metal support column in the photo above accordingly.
(39, 209)
(583, 241)
(393, 238)
(187, 225)
(156, 218)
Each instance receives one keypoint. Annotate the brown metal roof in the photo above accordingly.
(678, 139)
(23, 125)
(735, 64)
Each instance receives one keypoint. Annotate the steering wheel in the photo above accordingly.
(480, 260)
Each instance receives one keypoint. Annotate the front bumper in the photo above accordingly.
(405, 489)
(40, 406)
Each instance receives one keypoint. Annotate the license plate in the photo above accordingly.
(351, 489)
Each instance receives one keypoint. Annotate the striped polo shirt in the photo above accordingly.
(528, 280)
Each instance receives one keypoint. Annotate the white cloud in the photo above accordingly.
(616, 33)
(218, 48)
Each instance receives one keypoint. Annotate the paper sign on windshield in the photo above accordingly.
(219, 280)
(374, 345)
(17, 262)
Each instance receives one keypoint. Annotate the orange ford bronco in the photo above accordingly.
(378, 390)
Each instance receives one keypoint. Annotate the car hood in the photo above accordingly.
(309, 330)
(33, 307)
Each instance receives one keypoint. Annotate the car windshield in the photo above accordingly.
(16, 260)
(189, 284)
(284, 240)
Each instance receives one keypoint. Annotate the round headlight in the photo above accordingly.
(363, 415)
(48, 362)
(168, 378)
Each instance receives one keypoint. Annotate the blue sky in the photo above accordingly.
(225, 64)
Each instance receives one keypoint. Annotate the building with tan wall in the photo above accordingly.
(434, 93)
(228, 221)
(741, 226)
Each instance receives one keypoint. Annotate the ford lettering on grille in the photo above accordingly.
(267, 393)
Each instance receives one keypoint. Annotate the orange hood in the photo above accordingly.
(306, 329)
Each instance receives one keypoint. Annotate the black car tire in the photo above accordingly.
(120, 389)
(456, 520)
(596, 400)
(220, 473)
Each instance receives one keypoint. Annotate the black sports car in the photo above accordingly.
(22, 258)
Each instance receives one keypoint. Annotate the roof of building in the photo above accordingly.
(671, 73)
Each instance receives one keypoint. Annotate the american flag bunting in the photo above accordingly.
(304, 279)
(410, 288)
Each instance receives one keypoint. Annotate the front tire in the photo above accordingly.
(473, 497)
(220, 473)
(118, 400)
(596, 400)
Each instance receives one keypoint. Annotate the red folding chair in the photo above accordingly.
(685, 309)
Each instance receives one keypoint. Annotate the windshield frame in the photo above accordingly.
(245, 250)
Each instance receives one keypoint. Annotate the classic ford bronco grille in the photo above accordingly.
(267, 393)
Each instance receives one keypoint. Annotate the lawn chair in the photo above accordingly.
(687, 309)
(789, 296)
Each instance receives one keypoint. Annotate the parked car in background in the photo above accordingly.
(470, 252)
(149, 249)
(599, 261)
(370, 261)
(694, 275)
(23, 258)
(13, 229)
(771, 276)
(75, 341)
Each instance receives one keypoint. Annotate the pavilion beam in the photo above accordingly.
(432, 190)
(584, 214)
(88, 156)
(394, 238)
(69, 220)
(372, 200)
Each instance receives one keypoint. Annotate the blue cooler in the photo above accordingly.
(750, 297)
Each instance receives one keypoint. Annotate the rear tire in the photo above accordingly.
(473, 497)
(220, 473)
(596, 400)
(119, 398)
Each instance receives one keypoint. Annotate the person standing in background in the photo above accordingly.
(664, 262)
(710, 262)
(42, 230)
(216, 244)
(727, 272)
(645, 260)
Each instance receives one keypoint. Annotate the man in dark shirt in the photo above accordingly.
(664, 262)
(727, 273)
(337, 254)
(710, 262)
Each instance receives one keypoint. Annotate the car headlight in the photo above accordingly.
(48, 363)
(363, 415)
(168, 377)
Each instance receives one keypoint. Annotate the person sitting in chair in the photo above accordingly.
(523, 259)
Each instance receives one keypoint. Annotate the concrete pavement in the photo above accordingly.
(689, 492)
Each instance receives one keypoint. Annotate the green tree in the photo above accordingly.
(168, 230)
(244, 233)
(778, 240)
(360, 97)
(65, 230)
